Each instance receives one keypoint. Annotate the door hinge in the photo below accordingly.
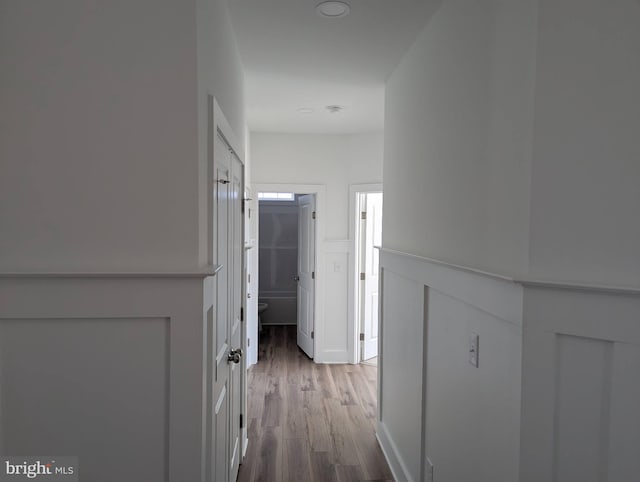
(313, 215)
(361, 336)
(363, 215)
(248, 277)
(313, 334)
(241, 421)
(248, 342)
(362, 276)
(241, 313)
(313, 275)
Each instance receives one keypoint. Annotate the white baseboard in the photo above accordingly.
(332, 356)
(390, 451)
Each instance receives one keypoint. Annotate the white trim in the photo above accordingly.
(523, 280)
(332, 357)
(337, 246)
(352, 328)
(567, 285)
(211, 271)
(390, 451)
(500, 296)
(447, 264)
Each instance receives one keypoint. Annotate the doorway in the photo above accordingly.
(287, 263)
(367, 238)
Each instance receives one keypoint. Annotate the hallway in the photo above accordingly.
(308, 421)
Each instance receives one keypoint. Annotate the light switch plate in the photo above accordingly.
(474, 339)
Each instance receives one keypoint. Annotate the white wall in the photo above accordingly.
(104, 120)
(511, 147)
(98, 149)
(583, 348)
(464, 418)
(220, 74)
(336, 162)
(586, 175)
(122, 366)
(103, 157)
(458, 137)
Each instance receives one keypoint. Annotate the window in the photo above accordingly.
(276, 196)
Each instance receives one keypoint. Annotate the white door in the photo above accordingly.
(236, 242)
(306, 272)
(372, 237)
(221, 386)
(227, 212)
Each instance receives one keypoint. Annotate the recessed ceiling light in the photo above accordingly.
(306, 110)
(333, 9)
(334, 108)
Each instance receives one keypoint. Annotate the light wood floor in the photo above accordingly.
(309, 422)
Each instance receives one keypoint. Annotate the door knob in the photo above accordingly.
(234, 356)
(296, 278)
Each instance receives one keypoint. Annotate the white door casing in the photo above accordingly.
(306, 273)
(372, 236)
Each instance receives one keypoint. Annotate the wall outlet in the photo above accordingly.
(428, 476)
(473, 349)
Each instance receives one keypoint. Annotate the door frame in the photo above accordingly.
(320, 192)
(354, 279)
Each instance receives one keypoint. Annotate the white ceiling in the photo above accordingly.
(295, 58)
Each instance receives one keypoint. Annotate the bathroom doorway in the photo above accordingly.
(287, 263)
(368, 237)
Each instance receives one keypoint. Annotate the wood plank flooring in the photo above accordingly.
(309, 422)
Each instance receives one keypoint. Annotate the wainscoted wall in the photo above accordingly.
(555, 395)
(581, 389)
(110, 368)
(335, 332)
(433, 403)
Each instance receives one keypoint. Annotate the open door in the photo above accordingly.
(306, 272)
(372, 236)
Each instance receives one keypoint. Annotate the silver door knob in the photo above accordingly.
(234, 356)
(296, 278)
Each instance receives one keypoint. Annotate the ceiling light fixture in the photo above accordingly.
(333, 9)
(334, 109)
(306, 110)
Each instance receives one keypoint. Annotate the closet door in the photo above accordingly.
(236, 249)
(222, 403)
(226, 365)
